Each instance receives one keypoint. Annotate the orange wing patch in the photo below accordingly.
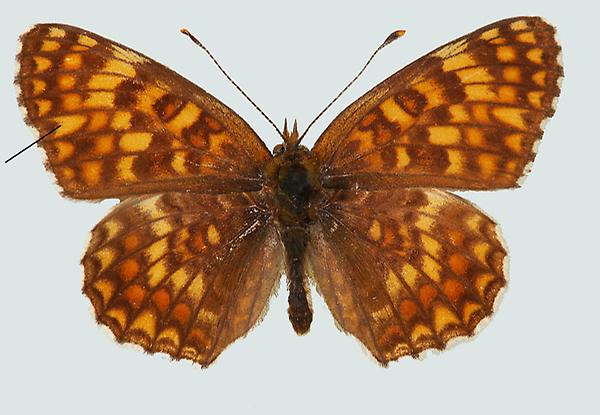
(128, 124)
(466, 116)
(406, 270)
(182, 274)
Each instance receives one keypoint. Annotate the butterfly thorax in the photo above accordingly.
(294, 183)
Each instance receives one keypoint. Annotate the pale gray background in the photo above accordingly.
(539, 353)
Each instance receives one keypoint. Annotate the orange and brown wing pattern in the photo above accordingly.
(465, 116)
(128, 125)
(183, 274)
(406, 270)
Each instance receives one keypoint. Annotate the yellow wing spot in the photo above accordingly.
(213, 235)
(42, 64)
(475, 137)
(121, 120)
(50, 46)
(127, 55)
(480, 113)
(112, 228)
(104, 81)
(150, 208)
(431, 246)
(172, 340)
(444, 135)
(119, 67)
(125, 169)
(420, 331)
(455, 159)
(196, 288)
(535, 98)
(161, 227)
(100, 99)
(425, 223)
(43, 107)
(188, 115)
(526, 37)
(64, 150)
(71, 102)
(402, 158)
(474, 75)
(39, 86)
(145, 322)
(512, 74)
(395, 114)
(71, 62)
(105, 256)
(157, 272)
(535, 55)
(481, 250)
(519, 25)
(483, 281)
(375, 230)
(452, 49)
(432, 91)
(469, 310)
(65, 173)
(539, 78)
(507, 94)
(79, 48)
(393, 285)
(455, 62)
(488, 164)
(65, 82)
(86, 41)
(365, 139)
(498, 41)
(119, 315)
(490, 34)
(106, 288)
(480, 92)
(443, 317)
(206, 316)
(458, 113)
(383, 314)
(135, 141)
(431, 268)
(506, 53)
(410, 275)
(179, 162)
(158, 249)
(511, 166)
(215, 141)
(56, 32)
(511, 116)
(98, 120)
(69, 124)
(91, 172)
(514, 142)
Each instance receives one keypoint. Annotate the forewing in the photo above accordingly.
(466, 116)
(416, 269)
(184, 274)
(128, 125)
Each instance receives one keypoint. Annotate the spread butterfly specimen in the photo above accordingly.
(209, 219)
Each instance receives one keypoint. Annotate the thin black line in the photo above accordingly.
(35, 142)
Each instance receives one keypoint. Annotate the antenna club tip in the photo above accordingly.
(393, 36)
(184, 31)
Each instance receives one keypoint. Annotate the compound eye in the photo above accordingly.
(278, 149)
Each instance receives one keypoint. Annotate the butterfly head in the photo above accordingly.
(290, 140)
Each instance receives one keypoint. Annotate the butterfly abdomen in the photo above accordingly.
(294, 181)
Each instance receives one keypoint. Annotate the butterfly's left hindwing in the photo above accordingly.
(184, 274)
(128, 125)
(465, 116)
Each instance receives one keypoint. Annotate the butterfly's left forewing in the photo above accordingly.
(128, 125)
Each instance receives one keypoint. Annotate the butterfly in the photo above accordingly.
(209, 219)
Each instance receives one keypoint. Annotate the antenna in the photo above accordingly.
(393, 36)
(198, 43)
